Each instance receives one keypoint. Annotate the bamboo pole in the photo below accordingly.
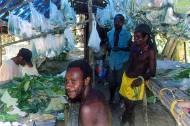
(168, 96)
(185, 52)
(172, 49)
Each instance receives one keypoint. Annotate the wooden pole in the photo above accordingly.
(91, 55)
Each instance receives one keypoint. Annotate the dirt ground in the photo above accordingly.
(157, 113)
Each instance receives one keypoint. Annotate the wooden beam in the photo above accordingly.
(55, 31)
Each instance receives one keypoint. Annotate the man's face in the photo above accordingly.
(118, 23)
(74, 84)
(22, 62)
(139, 39)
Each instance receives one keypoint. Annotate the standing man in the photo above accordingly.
(119, 40)
(141, 66)
(11, 68)
(93, 108)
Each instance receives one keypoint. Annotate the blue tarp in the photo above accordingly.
(22, 9)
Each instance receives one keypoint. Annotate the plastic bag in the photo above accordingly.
(119, 7)
(56, 17)
(149, 4)
(170, 18)
(94, 40)
(13, 25)
(103, 17)
(26, 29)
(68, 12)
(69, 40)
(38, 21)
(39, 46)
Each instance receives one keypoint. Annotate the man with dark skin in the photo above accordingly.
(94, 110)
(119, 40)
(141, 66)
(11, 68)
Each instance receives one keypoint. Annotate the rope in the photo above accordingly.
(174, 102)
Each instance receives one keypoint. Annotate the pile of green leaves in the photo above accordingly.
(182, 74)
(34, 92)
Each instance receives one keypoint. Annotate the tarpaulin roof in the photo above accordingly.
(22, 9)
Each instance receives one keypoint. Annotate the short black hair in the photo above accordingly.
(120, 16)
(26, 54)
(144, 29)
(83, 65)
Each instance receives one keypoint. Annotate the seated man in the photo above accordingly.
(11, 68)
(93, 108)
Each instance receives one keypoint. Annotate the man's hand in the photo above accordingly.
(137, 82)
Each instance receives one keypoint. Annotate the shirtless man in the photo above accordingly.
(141, 66)
(93, 108)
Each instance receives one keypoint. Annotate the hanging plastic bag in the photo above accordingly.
(11, 24)
(68, 12)
(25, 28)
(35, 18)
(150, 4)
(170, 18)
(69, 40)
(56, 17)
(94, 40)
(119, 7)
(14, 25)
(38, 21)
(103, 17)
(40, 46)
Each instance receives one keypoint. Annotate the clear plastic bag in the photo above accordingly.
(40, 46)
(68, 12)
(94, 40)
(170, 18)
(56, 17)
(149, 4)
(69, 40)
(38, 21)
(25, 29)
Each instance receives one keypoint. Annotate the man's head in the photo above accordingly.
(142, 34)
(24, 57)
(78, 76)
(119, 21)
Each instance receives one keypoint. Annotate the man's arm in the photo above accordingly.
(85, 116)
(152, 65)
